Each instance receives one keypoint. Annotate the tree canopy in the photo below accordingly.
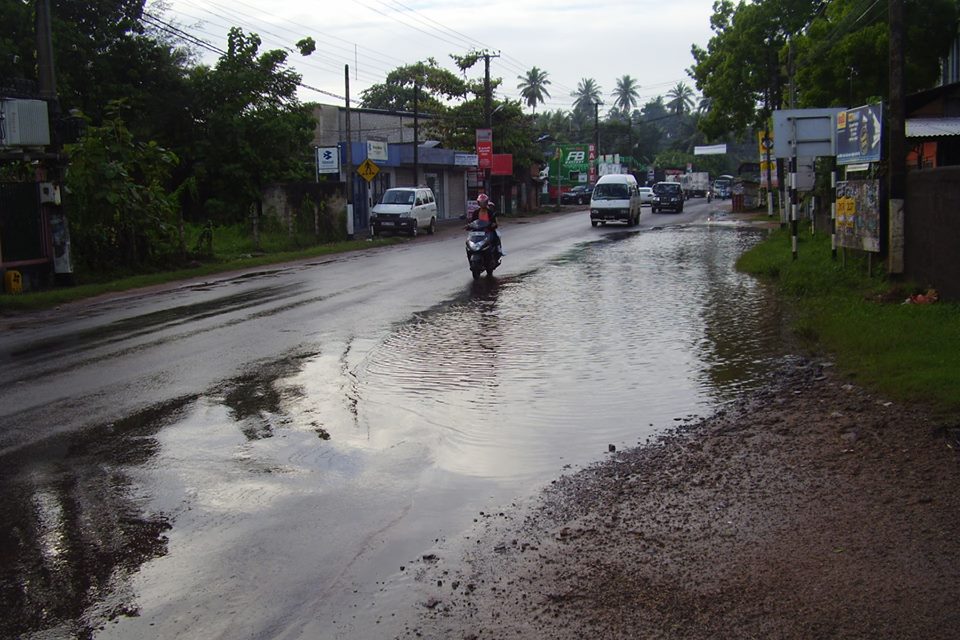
(436, 87)
(835, 53)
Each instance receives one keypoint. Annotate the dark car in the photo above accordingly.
(667, 195)
(580, 194)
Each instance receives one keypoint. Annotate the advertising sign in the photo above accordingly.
(858, 134)
(574, 160)
(328, 160)
(377, 150)
(484, 148)
(465, 160)
(858, 214)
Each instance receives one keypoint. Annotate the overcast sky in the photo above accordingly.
(569, 39)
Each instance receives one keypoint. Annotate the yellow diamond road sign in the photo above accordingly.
(368, 170)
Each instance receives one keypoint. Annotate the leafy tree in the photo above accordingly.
(437, 87)
(626, 94)
(121, 212)
(680, 98)
(836, 58)
(586, 96)
(250, 126)
(740, 71)
(533, 87)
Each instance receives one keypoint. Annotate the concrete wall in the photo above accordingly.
(932, 230)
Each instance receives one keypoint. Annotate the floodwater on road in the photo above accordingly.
(294, 501)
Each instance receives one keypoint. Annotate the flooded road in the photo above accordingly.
(294, 496)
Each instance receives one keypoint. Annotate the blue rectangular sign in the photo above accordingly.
(859, 133)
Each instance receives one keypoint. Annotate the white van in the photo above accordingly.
(406, 209)
(616, 198)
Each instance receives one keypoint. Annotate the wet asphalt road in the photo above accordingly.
(269, 455)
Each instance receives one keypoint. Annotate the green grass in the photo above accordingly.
(907, 352)
(232, 251)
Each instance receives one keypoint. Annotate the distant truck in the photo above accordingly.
(722, 187)
(695, 185)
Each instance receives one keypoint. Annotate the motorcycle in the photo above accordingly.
(483, 252)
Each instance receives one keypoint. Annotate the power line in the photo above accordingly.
(179, 33)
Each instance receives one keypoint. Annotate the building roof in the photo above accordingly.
(932, 127)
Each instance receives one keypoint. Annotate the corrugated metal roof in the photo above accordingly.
(932, 127)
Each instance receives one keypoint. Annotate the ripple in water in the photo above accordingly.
(518, 374)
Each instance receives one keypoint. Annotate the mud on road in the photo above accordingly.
(810, 509)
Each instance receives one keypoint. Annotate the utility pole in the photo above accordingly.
(487, 99)
(596, 128)
(416, 133)
(897, 148)
(349, 172)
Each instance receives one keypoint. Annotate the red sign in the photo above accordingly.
(484, 148)
(592, 171)
(501, 164)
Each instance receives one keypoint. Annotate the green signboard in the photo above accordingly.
(572, 163)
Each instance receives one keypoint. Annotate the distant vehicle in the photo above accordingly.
(667, 195)
(646, 195)
(580, 194)
(615, 199)
(722, 187)
(695, 185)
(404, 209)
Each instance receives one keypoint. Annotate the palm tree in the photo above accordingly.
(533, 87)
(586, 95)
(681, 98)
(625, 96)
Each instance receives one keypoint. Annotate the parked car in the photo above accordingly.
(404, 209)
(646, 195)
(580, 194)
(667, 195)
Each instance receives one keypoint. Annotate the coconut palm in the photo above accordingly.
(625, 96)
(680, 98)
(533, 87)
(586, 95)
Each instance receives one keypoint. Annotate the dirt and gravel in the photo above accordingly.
(810, 509)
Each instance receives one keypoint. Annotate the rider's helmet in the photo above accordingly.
(483, 200)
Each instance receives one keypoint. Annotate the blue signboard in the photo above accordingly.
(859, 134)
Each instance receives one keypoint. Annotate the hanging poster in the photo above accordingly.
(858, 215)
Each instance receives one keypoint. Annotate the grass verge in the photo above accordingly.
(908, 352)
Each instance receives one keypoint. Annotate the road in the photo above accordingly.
(271, 454)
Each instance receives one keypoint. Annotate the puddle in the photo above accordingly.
(284, 502)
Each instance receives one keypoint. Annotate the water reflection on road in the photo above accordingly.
(293, 492)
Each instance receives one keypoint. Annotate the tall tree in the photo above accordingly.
(533, 87)
(841, 58)
(436, 85)
(626, 94)
(586, 96)
(741, 70)
(251, 129)
(680, 98)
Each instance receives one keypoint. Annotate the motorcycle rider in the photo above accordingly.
(487, 213)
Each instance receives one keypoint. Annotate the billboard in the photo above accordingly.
(858, 214)
(574, 163)
(858, 134)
